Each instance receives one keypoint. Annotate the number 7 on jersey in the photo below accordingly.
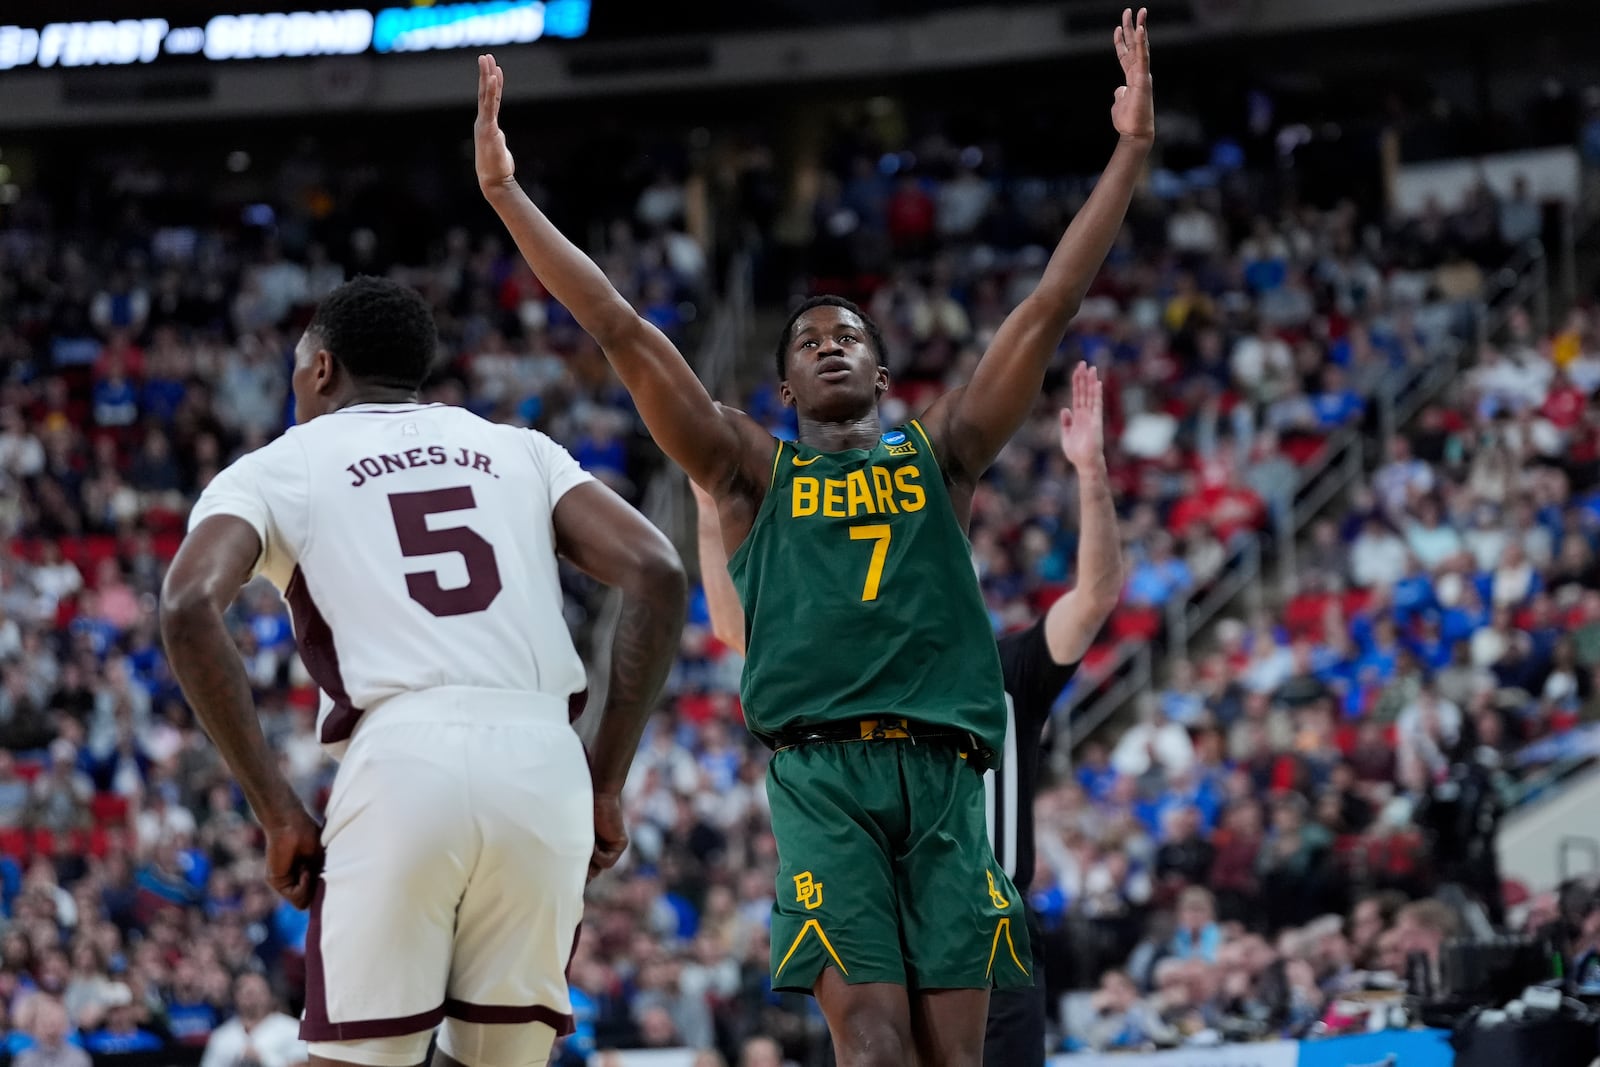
(878, 534)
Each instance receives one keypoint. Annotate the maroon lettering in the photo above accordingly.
(369, 468)
(411, 511)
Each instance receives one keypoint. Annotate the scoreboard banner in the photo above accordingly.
(292, 34)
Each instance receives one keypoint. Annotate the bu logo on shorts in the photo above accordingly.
(807, 891)
(997, 898)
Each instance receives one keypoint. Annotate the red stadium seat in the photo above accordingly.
(1302, 449)
(1098, 658)
(109, 809)
(1304, 614)
(1135, 624)
(14, 843)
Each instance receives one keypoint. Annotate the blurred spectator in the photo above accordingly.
(257, 1033)
(53, 1043)
(121, 1033)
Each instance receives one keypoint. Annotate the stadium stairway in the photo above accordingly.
(1546, 841)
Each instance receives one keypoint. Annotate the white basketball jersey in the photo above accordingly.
(416, 547)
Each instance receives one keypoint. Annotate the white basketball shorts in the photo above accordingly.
(458, 839)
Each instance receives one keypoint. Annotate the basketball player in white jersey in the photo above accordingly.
(416, 545)
(1035, 665)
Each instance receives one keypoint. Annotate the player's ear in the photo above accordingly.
(324, 370)
(883, 379)
(786, 394)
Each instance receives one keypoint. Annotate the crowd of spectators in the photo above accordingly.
(1445, 621)
(138, 356)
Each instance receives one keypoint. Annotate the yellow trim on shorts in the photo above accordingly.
(1003, 924)
(775, 458)
(810, 925)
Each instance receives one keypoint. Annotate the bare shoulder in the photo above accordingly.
(941, 422)
(758, 449)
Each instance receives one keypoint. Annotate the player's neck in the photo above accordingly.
(376, 394)
(862, 431)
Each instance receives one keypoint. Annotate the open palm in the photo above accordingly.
(490, 154)
(1083, 435)
(1134, 111)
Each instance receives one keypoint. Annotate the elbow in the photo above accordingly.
(615, 326)
(660, 576)
(183, 605)
(1106, 594)
(1048, 313)
(1070, 305)
(1103, 605)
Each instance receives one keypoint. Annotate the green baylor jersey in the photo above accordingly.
(859, 596)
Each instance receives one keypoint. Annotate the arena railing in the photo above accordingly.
(1522, 283)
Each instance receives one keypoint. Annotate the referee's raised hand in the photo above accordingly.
(1083, 432)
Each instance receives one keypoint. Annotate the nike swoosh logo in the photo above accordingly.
(798, 462)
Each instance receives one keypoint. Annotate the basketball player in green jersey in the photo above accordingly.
(871, 666)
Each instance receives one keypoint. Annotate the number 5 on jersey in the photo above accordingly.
(878, 534)
(411, 511)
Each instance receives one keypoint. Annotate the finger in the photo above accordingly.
(1141, 43)
(1122, 91)
(1127, 26)
(483, 82)
(1119, 43)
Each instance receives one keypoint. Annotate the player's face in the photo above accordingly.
(311, 381)
(833, 373)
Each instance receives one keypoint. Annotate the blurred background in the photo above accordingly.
(1331, 767)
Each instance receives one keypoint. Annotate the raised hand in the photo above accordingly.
(493, 158)
(1083, 435)
(1134, 111)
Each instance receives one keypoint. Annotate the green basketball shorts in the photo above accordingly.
(885, 872)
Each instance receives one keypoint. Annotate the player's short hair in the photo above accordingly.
(380, 331)
(874, 335)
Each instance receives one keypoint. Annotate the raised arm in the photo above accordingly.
(1073, 621)
(722, 599)
(214, 561)
(611, 542)
(969, 426)
(709, 441)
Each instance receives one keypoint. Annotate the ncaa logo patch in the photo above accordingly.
(898, 445)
